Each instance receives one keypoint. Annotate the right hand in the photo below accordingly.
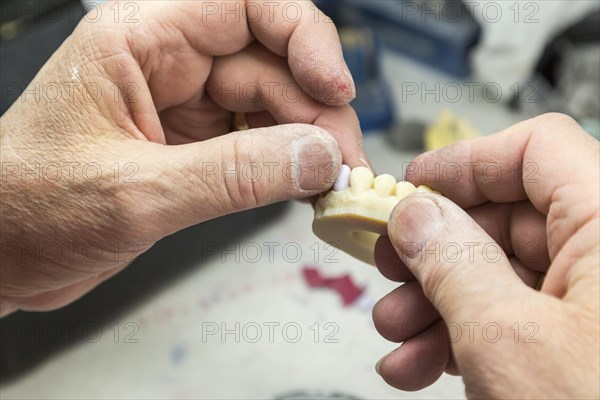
(468, 306)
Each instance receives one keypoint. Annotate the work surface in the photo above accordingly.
(238, 321)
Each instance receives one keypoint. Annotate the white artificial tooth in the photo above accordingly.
(424, 189)
(385, 185)
(361, 180)
(343, 180)
(404, 189)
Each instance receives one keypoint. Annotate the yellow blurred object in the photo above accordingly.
(448, 129)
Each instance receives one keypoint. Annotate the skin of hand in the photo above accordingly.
(517, 204)
(123, 137)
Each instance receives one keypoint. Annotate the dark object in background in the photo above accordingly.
(567, 78)
(408, 135)
(30, 32)
(585, 32)
(440, 33)
(17, 15)
(374, 103)
(302, 395)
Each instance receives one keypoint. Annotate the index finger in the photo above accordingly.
(530, 160)
(295, 29)
(164, 51)
(308, 38)
(549, 160)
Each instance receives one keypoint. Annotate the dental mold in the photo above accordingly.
(355, 213)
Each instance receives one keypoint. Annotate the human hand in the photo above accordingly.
(469, 306)
(121, 138)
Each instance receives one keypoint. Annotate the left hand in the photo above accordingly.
(105, 151)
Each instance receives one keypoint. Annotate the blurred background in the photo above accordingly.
(225, 309)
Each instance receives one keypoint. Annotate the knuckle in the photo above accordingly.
(243, 190)
(435, 280)
(554, 119)
(242, 194)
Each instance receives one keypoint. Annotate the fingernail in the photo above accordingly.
(378, 365)
(414, 223)
(318, 158)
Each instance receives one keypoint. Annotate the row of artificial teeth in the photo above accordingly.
(362, 179)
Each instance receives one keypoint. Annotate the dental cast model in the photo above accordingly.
(355, 213)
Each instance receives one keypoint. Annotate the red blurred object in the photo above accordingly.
(344, 284)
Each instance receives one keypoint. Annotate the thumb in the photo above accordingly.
(188, 184)
(459, 266)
